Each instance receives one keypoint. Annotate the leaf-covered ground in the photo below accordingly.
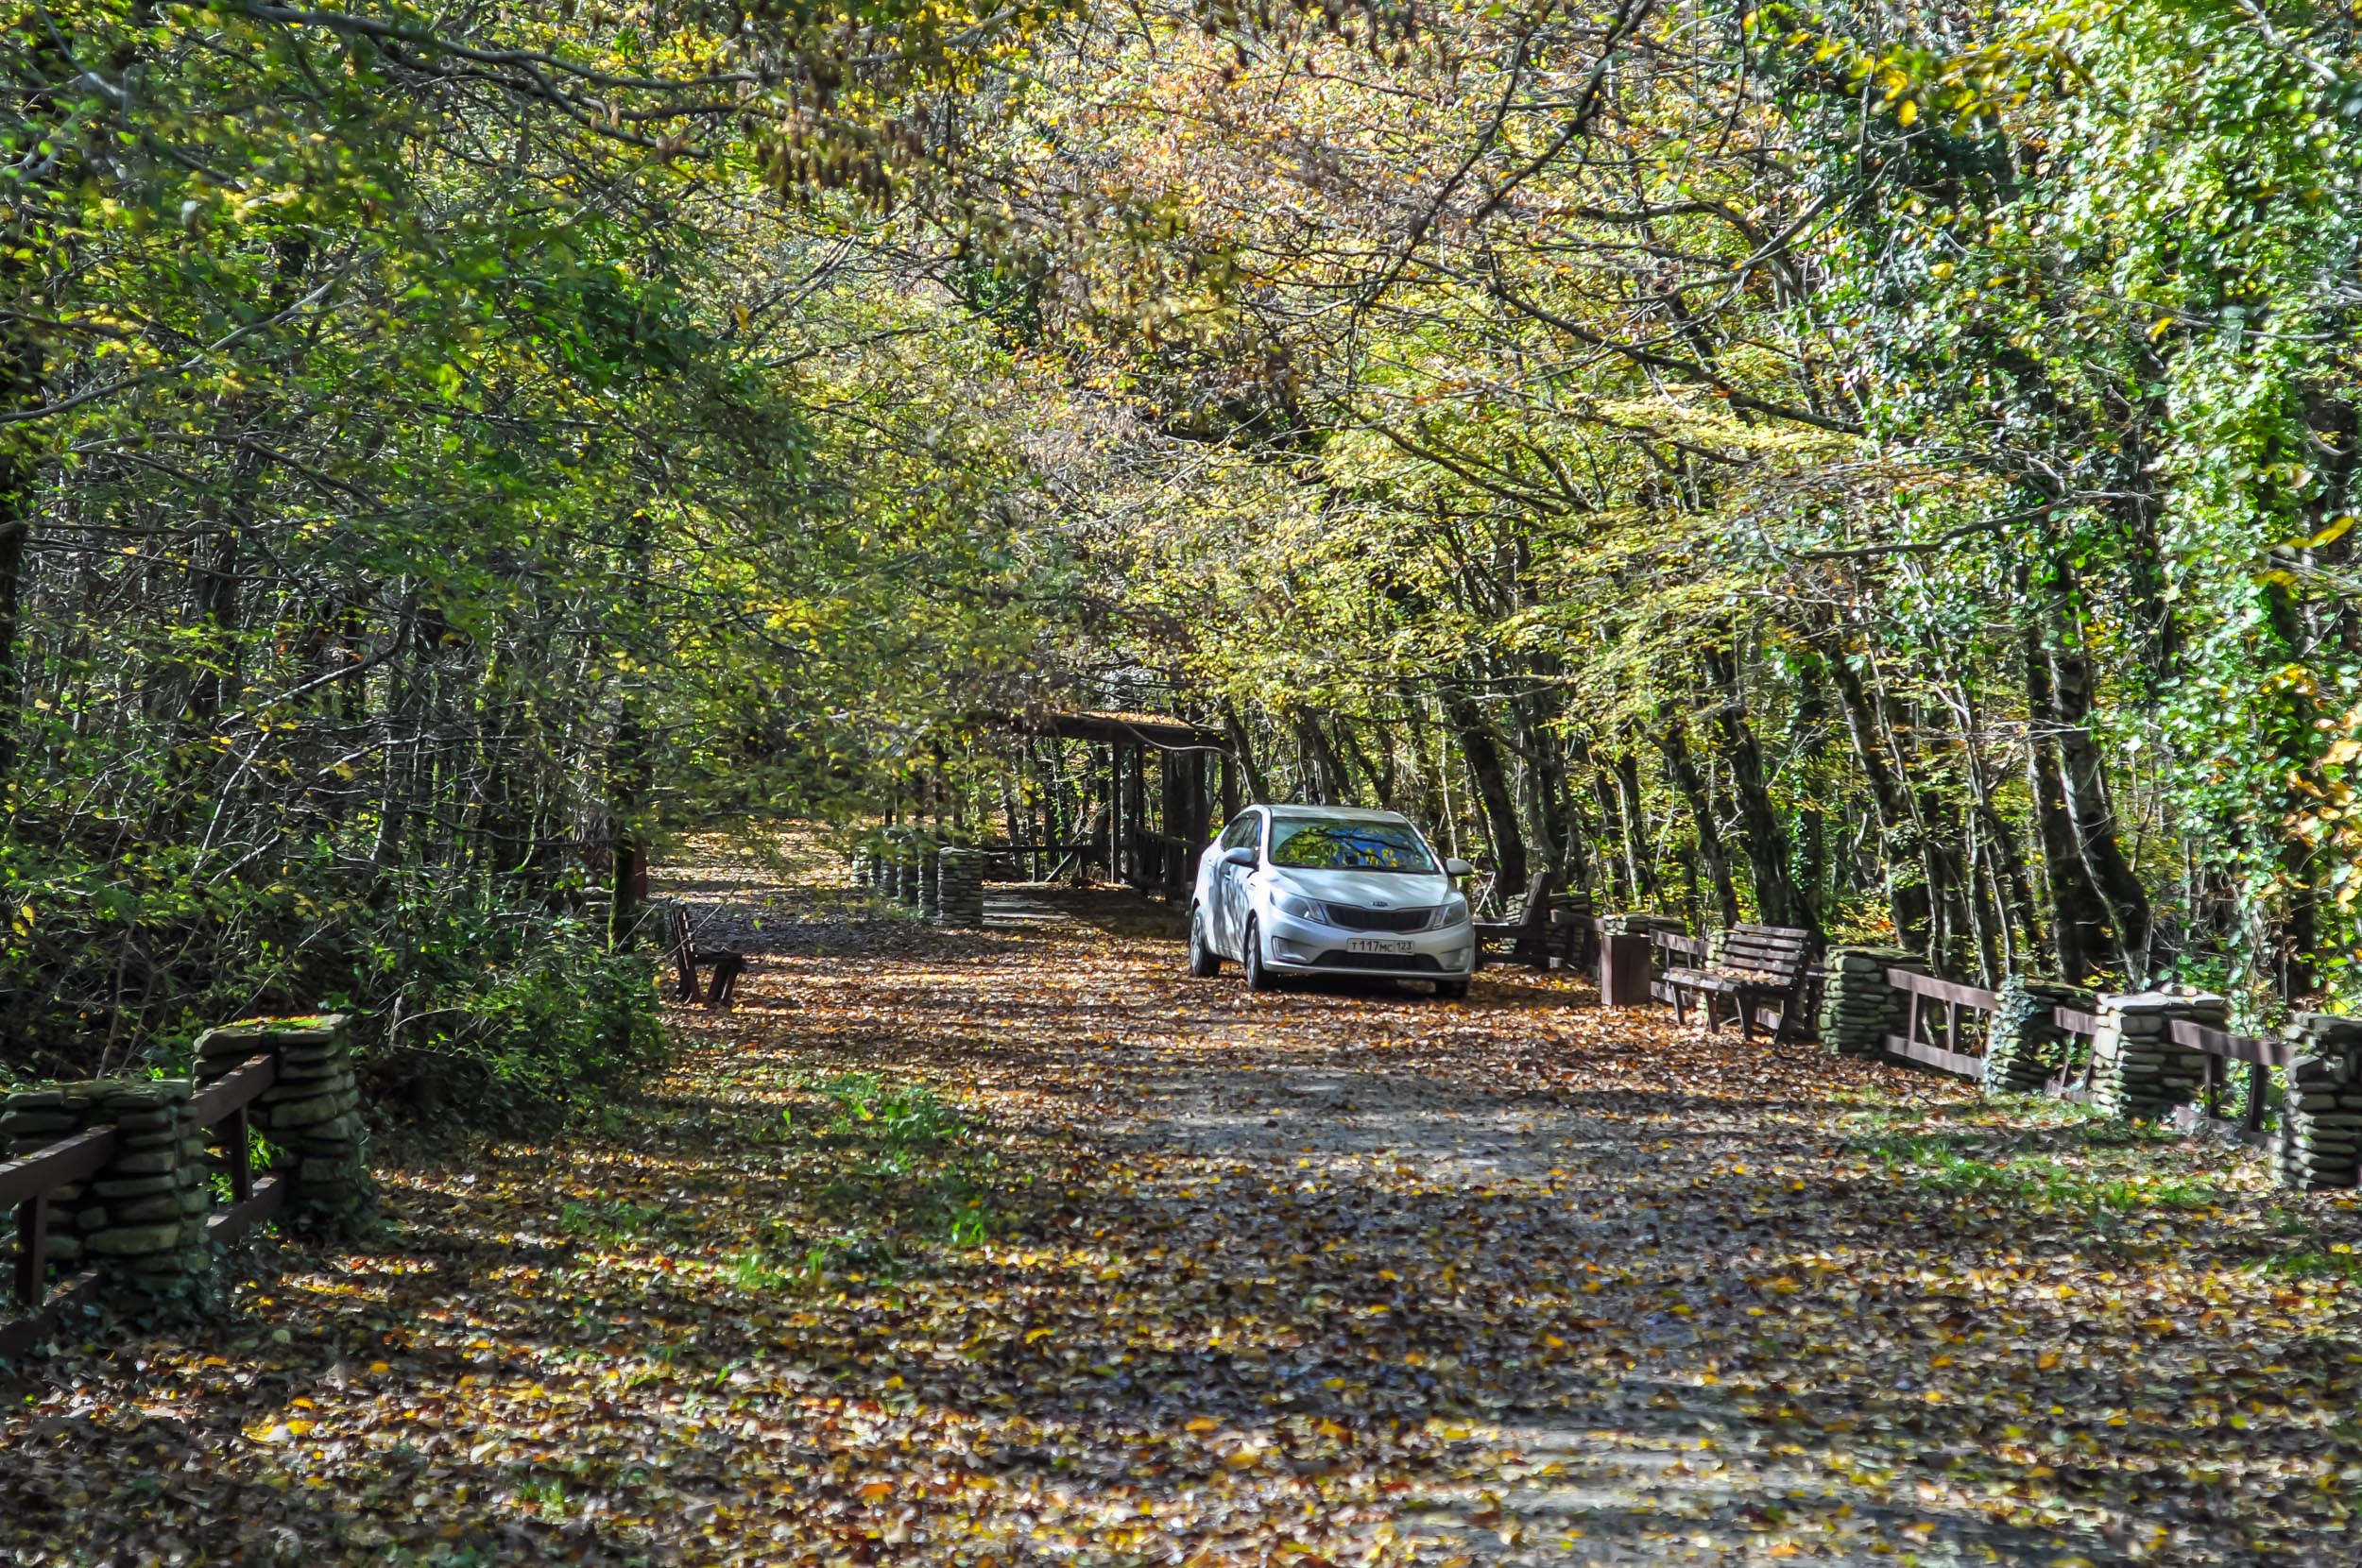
(1020, 1247)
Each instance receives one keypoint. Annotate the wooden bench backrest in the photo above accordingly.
(1534, 911)
(1773, 949)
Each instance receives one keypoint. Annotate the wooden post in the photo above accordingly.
(1136, 813)
(238, 1154)
(32, 1251)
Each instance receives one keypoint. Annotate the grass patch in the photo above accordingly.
(1993, 1166)
(2338, 1261)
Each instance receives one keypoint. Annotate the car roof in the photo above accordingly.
(1336, 814)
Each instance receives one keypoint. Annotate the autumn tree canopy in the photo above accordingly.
(1872, 468)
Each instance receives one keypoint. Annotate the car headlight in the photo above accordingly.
(1454, 912)
(1303, 908)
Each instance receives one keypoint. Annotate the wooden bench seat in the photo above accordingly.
(1761, 965)
(1542, 929)
(729, 963)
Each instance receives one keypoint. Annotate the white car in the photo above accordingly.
(1325, 890)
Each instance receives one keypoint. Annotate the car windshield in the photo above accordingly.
(1317, 844)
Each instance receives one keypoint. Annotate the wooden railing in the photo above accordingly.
(220, 1108)
(1164, 861)
(2220, 1045)
(2081, 1026)
(1948, 1056)
(1046, 861)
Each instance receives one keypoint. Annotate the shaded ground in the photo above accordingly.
(1018, 1246)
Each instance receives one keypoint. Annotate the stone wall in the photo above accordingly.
(1858, 1009)
(961, 891)
(930, 883)
(313, 1110)
(2320, 1118)
(1629, 924)
(2026, 1046)
(141, 1218)
(2138, 1072)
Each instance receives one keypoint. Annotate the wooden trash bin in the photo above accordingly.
(1624, 969)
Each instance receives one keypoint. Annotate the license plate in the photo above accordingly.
(1377, 944)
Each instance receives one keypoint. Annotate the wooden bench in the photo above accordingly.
(1760, 965)
(729, 963)
(1542, 929)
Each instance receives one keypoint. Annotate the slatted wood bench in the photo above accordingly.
(1540, 930)
(1761, 965)
(729, 963)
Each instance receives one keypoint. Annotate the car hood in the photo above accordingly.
(1393, 890)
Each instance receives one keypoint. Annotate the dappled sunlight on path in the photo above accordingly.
(1019, 1246)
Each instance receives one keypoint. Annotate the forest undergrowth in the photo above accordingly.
(1019, 1246)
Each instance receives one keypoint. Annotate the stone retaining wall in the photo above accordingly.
(1858, 1009)
(2138, 1072)
(2026, 1046)
(313, 1110)
(959, 898)
(141, 1218)
(2320, 1118)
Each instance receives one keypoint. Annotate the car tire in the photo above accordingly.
(1451, 991)
(1257, 978)
(1205, 964)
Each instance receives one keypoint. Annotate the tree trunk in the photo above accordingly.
(2083, 783)
(22, 379)
(1778, 900)
(1258, 788)
(1496, 804)
(1640, 868)
(1898, 824)
(1683, 771)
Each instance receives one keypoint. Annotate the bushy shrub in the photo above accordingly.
(468, 994)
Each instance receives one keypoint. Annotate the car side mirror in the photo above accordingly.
(1241, 856)
(1458, 868)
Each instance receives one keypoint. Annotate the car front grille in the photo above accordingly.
(1353, 917)
(1337, 958)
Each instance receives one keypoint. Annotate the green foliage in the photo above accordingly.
(421, 488)
(513, 1015)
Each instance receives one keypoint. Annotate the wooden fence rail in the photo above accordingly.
(2220, 1045)
(1948, 1056)
(25, 1185)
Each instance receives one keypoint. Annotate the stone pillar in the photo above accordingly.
(141, 1218)
(2320, 1120)
(313, 1110)
(1858, 1009)
(2027, 1045)
(930, 883)
(961, 893)
(2138, 1072)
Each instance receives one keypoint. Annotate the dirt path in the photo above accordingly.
(1020, 1247)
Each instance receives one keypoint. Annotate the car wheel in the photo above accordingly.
(1451, 991)
(1257, 978)
(1204, 962)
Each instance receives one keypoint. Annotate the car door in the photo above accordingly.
(1229, 900)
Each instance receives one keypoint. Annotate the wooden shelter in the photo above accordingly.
(1146, 794)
